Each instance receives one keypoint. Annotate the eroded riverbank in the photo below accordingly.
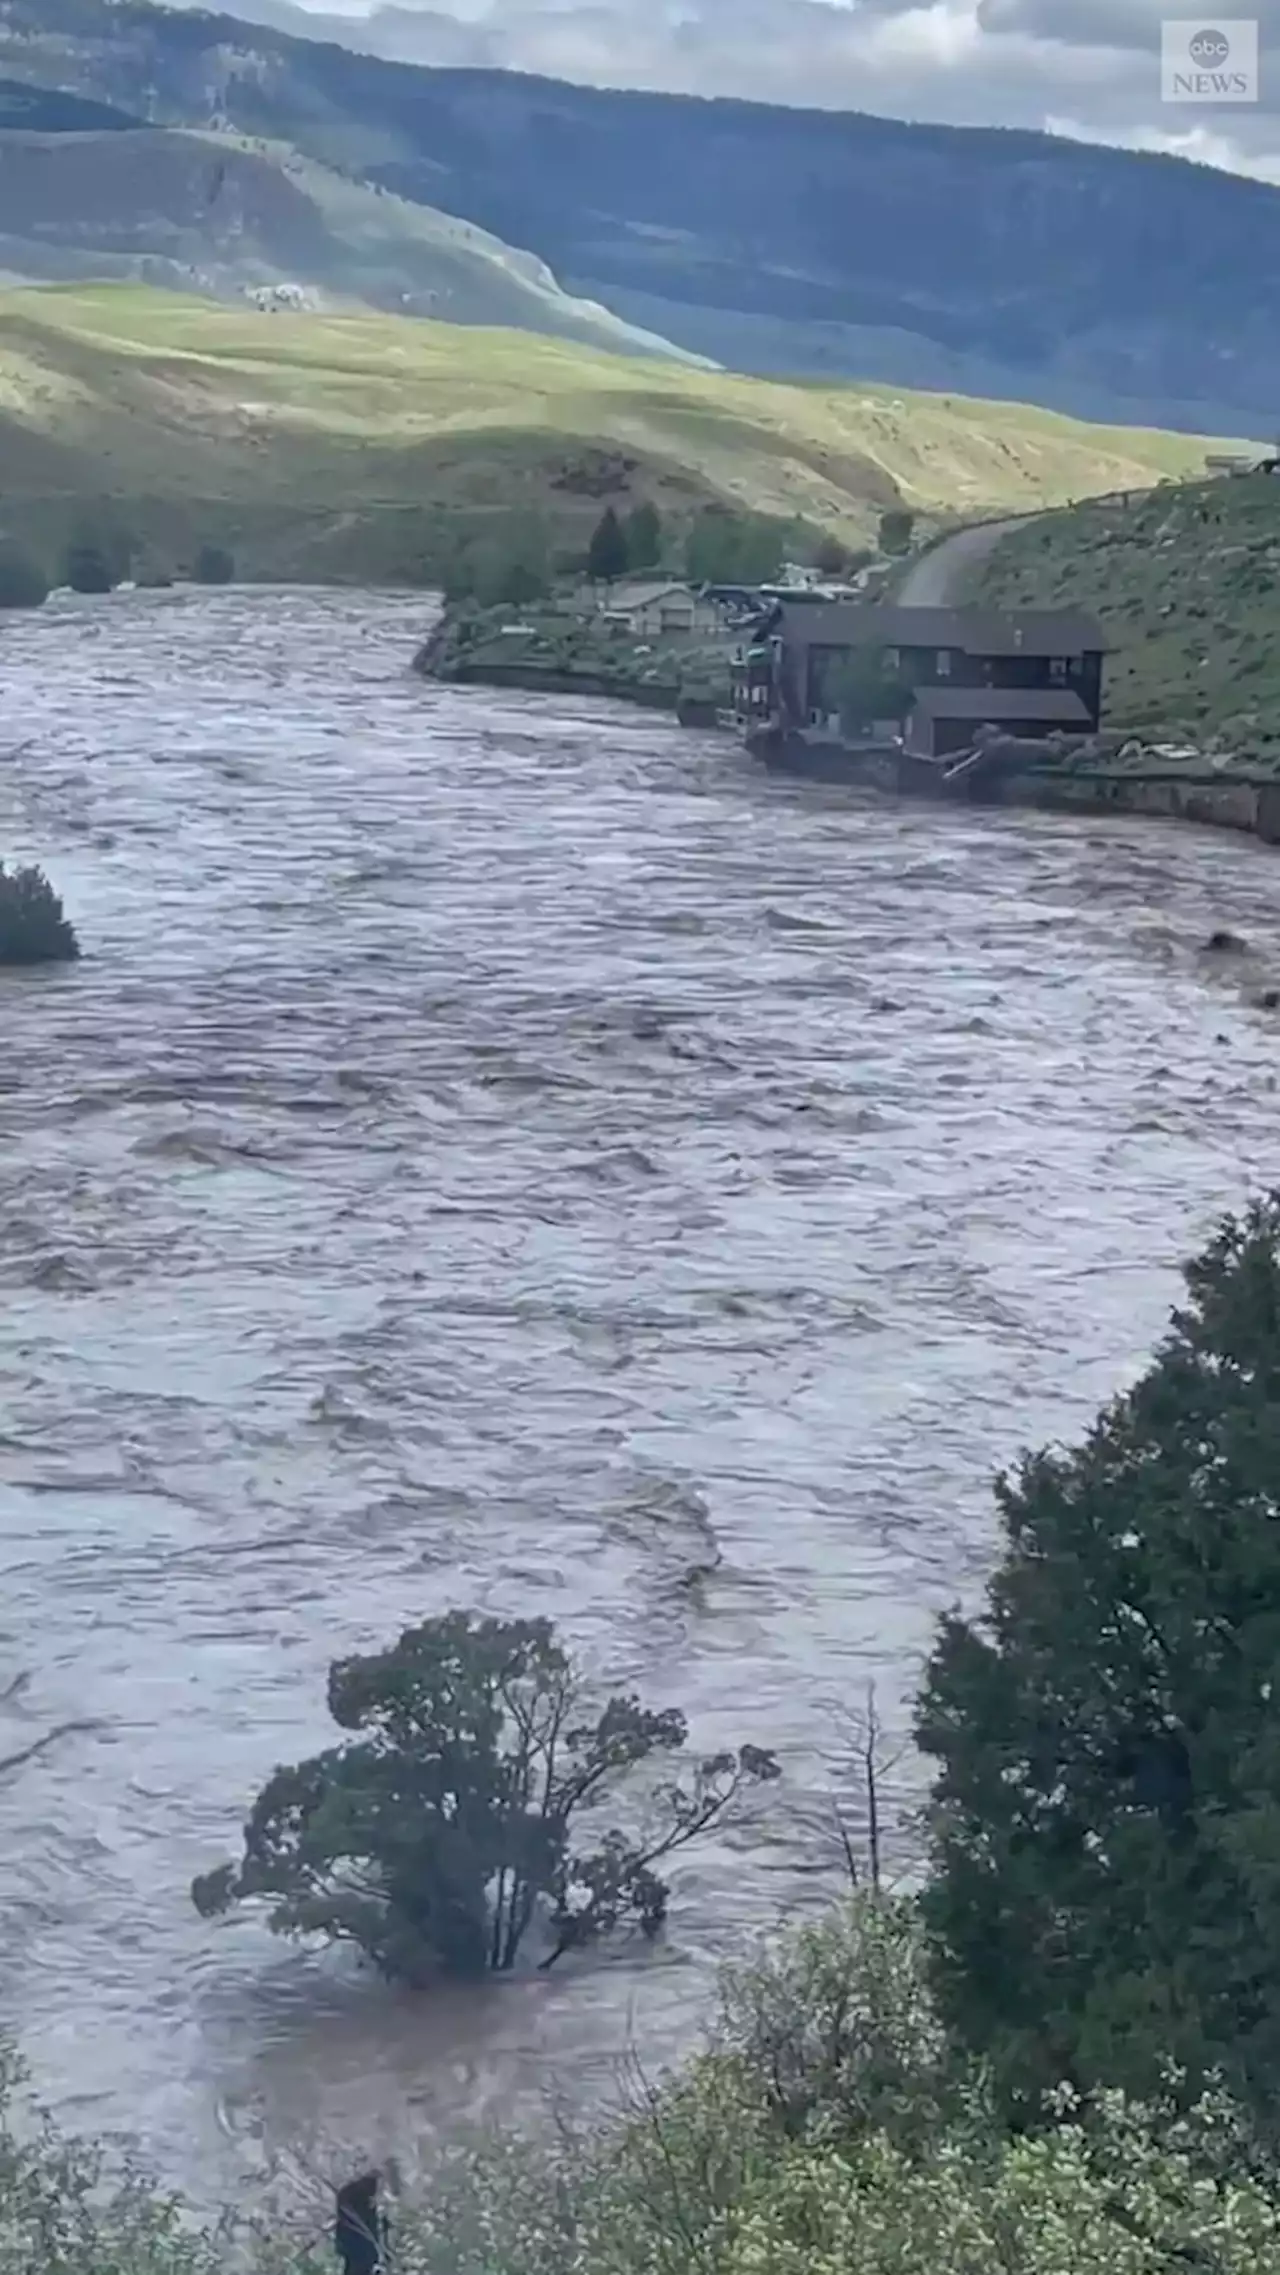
(507, 1151)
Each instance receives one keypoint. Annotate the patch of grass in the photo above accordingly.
(1186, 582)
(364, 445)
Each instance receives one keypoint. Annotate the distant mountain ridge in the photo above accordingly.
(1110, 284)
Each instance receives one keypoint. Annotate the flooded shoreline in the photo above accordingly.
(510, 1152)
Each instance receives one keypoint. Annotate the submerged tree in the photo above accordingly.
(435, 1839)
(1106, 1812)
(33, 926)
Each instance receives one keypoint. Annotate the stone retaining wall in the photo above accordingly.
(1253, 807)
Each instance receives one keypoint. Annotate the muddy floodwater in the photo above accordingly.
(511, 1153)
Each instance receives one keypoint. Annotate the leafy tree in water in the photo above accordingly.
(33, 926)
(23, 583)
(1106, 1812)
(607, 555)
(435, 1838)
(644, 537)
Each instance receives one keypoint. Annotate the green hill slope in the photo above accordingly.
(227, 215)
(1186, 581)
(361, 444)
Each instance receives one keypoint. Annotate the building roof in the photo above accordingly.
(812, 622)
(643, 592)
(1061, 705)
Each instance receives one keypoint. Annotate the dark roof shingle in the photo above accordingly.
(1058, 704)
(977, 631)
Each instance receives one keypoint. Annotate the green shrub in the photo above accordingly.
(896, 528)
(88, 570)
(23, 584)
(213, 566)
(832, 2129)
(33, 928)
(66, 2210)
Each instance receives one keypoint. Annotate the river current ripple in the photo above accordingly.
(506, 1152)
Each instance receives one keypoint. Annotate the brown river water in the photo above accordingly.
(507, 1152)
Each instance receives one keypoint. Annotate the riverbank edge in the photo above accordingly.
(684, 681)
(1204, 795)
(1247, 804)
(647, 695)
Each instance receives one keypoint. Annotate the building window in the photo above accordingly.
(892, 659)
(1057, 670)
(944, 663)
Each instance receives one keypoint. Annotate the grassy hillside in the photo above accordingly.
(358, 444)
(90, 194)
(1109, 283)
(1186, 581)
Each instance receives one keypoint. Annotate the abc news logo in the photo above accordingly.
(1209, 62)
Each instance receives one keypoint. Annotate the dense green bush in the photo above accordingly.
(65, 2210)
(88, 570)
(896, 529)
(213, 566)
(33, 928)
(23, 583)
(831, 2129)
(724, 546)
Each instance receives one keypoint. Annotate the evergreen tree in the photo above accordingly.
(1106, 1812)
(607, 555)
(644, 537)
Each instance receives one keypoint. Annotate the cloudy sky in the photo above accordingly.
(1081, 67)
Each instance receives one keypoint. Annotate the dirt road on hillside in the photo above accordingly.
(939, 577)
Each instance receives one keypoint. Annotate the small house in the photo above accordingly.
(661, 610)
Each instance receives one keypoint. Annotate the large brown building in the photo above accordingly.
(1027, 672)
